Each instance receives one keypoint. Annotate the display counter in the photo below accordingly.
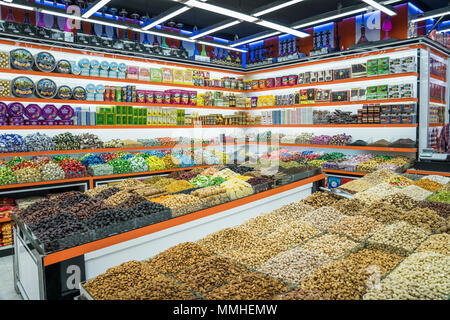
(57, 275)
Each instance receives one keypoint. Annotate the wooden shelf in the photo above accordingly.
(316, 84)
(339, 104)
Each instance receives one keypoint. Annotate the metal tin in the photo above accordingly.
(64, 92)
(44, 62)
(46, 88)
(22, 87)
(21, 59)
(64, 66)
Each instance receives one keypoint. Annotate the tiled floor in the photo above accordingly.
(7, 291)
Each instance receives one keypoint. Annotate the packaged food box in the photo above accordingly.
(178, 76)
(372, 67)
(167, 75)
(4, 60)
(359, 70)
(383, 66)
(337, 96)
(133, 73)
(372, 93)
(140, 96)
(188, 78)
(382, 92)
(144, 74)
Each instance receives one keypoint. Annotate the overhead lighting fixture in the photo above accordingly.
(221, 46)
(277, 7)
(276, 26)
(240, 16)
(105, 23)
(99, 4)
(166, 17)
(227, 25)
(433, 14)
(255, 39)
(380, 7)
(444, 29)
(340, 15)
(161, 34)
(219, 10)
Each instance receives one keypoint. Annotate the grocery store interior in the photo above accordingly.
(224, 150)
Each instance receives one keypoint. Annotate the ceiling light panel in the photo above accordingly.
(93, 9)
(166, 17)
(433, 14)
(379, 6)
(255, 39)
(276, 7)
(227, 25)
(276, 26)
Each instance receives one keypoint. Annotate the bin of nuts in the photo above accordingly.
(182, 204)
(211, 196)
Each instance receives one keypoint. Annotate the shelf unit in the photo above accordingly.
(107, 79)
(334, 82)
(3, 220)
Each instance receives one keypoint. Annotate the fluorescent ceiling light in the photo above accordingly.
(277, 7)
(380, 7)
(433, 14)
(166, 17)
(340, 15)
(444, 29)
(276, 26)
(221, 46)
(162, 34)
(16, 5)
(215, 29)
(220, 10)
(255, 39)
(105, 23)
(99, 4)
(241, 16)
